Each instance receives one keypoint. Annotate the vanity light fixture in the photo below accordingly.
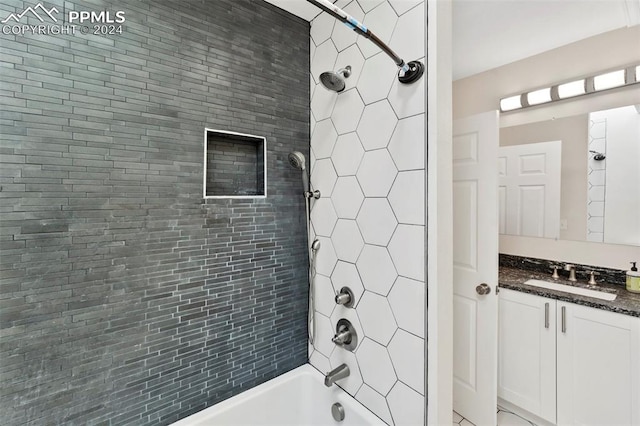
(571, 89)
(608, 80)
(539, 96)
(584, 86)
(511, 103)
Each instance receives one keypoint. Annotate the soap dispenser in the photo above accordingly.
(633, 279)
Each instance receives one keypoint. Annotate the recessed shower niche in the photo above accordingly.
(235, 165)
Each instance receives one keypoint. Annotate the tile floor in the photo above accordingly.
(505, 418)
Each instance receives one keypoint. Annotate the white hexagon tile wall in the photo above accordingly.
(368, 154)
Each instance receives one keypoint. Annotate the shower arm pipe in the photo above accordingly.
(407, 73)
(359, 28)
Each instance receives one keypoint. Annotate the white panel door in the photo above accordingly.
(527, 352)
(598, 367)
(475, 261)
(529, 181)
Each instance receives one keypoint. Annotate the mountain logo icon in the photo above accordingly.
(34, 12)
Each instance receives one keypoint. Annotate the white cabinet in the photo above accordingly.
(568, 364)
(598, 367)
(527, 353)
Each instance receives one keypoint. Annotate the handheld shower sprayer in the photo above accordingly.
(297, 161)
(407, 72)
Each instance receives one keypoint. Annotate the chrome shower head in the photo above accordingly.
(334, 81)
(296, 159)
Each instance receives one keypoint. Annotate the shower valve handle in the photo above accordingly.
(343, 337)
(346, 336)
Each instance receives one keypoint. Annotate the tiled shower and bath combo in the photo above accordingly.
(154, 241)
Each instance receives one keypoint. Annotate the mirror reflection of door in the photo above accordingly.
(599, 178)
(529, 189)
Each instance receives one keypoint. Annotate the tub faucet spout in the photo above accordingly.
(340, 372)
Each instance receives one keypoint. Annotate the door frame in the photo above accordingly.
(439, 211)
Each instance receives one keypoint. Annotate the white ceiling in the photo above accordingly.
(301, 8)
(491, 33)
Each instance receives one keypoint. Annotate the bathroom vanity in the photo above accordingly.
(568, 359)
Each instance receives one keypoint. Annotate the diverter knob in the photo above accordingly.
(345, 297)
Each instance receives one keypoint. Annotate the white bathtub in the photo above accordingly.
(296, 398)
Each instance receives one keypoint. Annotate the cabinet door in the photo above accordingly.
(598, 367)
(527, 352)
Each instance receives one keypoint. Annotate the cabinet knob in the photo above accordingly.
(483, 289)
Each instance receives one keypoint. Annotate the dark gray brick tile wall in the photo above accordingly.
(127, 299)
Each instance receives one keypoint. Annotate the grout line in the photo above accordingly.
(499, 410)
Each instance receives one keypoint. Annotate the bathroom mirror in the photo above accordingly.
(573, 178)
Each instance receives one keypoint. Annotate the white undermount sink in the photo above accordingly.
(571, 289)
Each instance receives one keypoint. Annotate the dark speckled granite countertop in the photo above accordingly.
(626, 303)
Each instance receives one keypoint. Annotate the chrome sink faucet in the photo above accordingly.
(592, 277)
(572, 271)
(340, 372)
